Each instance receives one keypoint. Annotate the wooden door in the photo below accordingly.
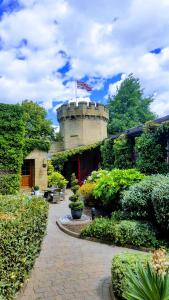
(27, 173)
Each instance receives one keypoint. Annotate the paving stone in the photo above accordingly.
(69, 268)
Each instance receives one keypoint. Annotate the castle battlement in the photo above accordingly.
(82, 110)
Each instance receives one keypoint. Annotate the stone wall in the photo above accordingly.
(40, 168)
(83, 124)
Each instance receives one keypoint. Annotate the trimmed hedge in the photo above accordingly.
(9, 184)
(119, 270)
(160, 198)
(123, 232)
(11, 147)
(22, 227)
(137, 200)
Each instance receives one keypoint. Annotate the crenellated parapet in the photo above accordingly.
(82, 110)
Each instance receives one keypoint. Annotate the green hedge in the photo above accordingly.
(119, 270)
(123, 232)
(160, 198)
(22, 227)
(9, 184)
(11, 147)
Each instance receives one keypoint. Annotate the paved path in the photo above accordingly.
(69, 268)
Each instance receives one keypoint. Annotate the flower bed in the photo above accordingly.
(22, 227)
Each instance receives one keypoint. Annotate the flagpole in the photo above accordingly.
(76, 92)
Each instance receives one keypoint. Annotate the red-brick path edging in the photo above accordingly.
(69, 268)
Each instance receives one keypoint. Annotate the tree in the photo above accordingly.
(128, 107)
(38, 130)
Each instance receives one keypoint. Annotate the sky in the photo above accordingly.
(45, 45)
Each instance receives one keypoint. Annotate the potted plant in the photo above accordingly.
(36, 190)
(76, 204)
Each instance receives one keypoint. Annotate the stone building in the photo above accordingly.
(80, 125)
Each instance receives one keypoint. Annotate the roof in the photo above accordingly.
(135, 131)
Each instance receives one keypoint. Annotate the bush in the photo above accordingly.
(134, 233)
(137, 200)
(160, 198)
(107, 154)
(9, 184)
(86, 191)
(101, 228)
(57, 179)
(95, 175)
(111, 184)
(122, 233)
(22, 226)
(121, 263)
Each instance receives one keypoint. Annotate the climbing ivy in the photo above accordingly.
(123, 150)
(11, 146)
(107, 154)
(151, 148)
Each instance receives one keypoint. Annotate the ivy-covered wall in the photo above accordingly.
(11, 147)
(148, 152)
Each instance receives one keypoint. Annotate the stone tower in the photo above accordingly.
(82, 124)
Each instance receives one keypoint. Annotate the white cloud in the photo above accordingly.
(101, 40)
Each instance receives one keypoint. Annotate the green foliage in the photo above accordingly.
(9, 184)
(57, 179)
(22, 226)
(123, 232)
(101, 228)
(11, 137)
(74, 183)
(123, 151)
(137, 200)
(160, 198)
(134, 233)
(145, 284)
(95, 175)
(38, 130)
(110, 185)
(107, 154)
(76, 203)
(11, 147)
(128, 107)
(60, 158)
(121, 263)
(151, 148)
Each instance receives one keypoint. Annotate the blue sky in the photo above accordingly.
(45, 45)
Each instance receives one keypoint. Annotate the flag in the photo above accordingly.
(84, 86)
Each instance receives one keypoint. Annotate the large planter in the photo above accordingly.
(76, 214)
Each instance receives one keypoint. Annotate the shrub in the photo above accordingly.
(134, 233)
(55, 178)
(137, 200)
(74, 183)
(9, 184)
(86, 191)
(95, 175)
(121, 263)
(160, 198)
(121, 233)
(101, 228)
(111, 184)
(22, 226)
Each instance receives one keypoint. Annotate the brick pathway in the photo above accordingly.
(69, 268)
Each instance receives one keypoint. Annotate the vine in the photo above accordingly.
(123, 151)
(151, 148)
